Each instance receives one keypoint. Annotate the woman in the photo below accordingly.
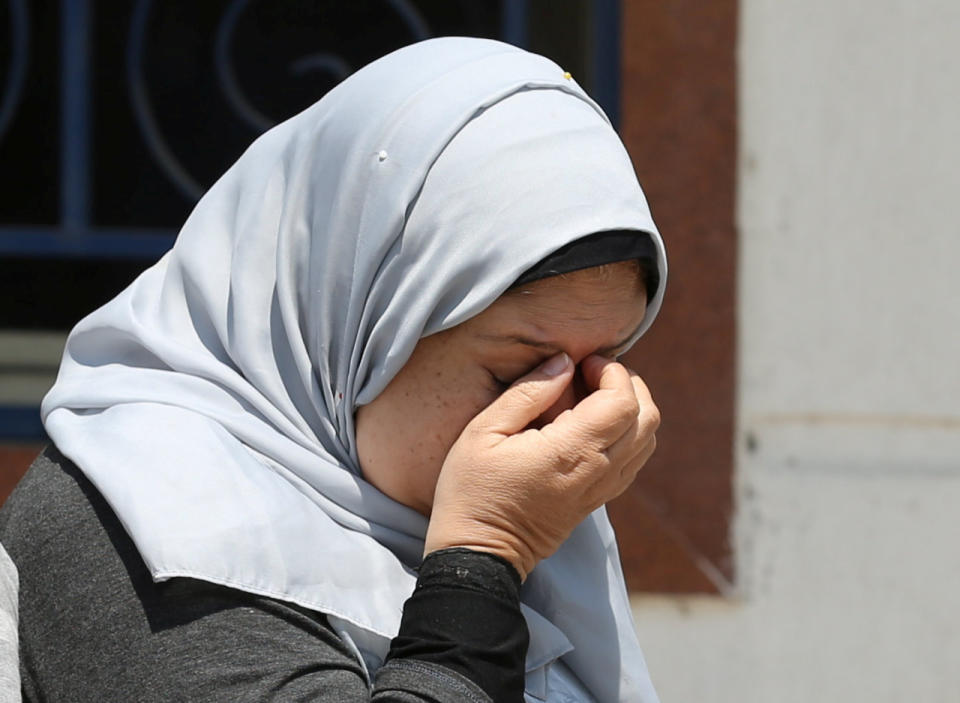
(387, 332)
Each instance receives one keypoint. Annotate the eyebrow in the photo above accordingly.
(549, 346)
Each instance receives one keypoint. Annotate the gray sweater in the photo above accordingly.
(95, 627)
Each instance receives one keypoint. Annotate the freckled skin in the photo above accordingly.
(404, 434)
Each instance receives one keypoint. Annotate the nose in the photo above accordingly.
(575, 391)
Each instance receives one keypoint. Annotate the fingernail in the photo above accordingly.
(556, 365)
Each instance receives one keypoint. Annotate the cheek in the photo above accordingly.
(447, 406)
(405, 434)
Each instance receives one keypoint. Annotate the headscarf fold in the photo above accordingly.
(212, 402)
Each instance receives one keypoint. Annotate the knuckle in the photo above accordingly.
(628, 405)
(600, 463)
(652, 419)
(588, 464)
(589, 458)
(523, 394)
(635, 466)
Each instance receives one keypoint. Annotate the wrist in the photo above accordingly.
(465, 567)
(480, 540)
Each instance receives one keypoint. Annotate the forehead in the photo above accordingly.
(598, 286)
(609, 301)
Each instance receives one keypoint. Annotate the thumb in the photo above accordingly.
(529, 397)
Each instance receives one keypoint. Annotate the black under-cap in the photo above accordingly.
(598, 249)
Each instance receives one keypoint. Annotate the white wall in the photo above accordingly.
(848, 519)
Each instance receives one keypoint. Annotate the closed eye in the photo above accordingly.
(497, 383)
(550, 349)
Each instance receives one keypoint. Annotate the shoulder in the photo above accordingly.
(53, 512)
(89, 604)
(51, 478)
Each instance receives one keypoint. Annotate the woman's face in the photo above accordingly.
(404, 434)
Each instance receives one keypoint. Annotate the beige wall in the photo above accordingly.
(848, 443)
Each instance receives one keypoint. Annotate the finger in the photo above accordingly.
(617, 479)
(647, 422)
(595, 366)
(602, 417)
(642, 393)
(632, 466)
(528, 397)
(633, 438)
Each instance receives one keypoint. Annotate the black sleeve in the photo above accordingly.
(465, 615)
(94, 626)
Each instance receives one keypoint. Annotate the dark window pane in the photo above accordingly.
(57, 293)
(29, 113)
(183, 87)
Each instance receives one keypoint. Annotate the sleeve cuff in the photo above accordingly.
(465, 614)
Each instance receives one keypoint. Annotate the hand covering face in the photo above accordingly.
(212, 401)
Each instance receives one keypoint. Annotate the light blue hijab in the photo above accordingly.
(212, 401)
